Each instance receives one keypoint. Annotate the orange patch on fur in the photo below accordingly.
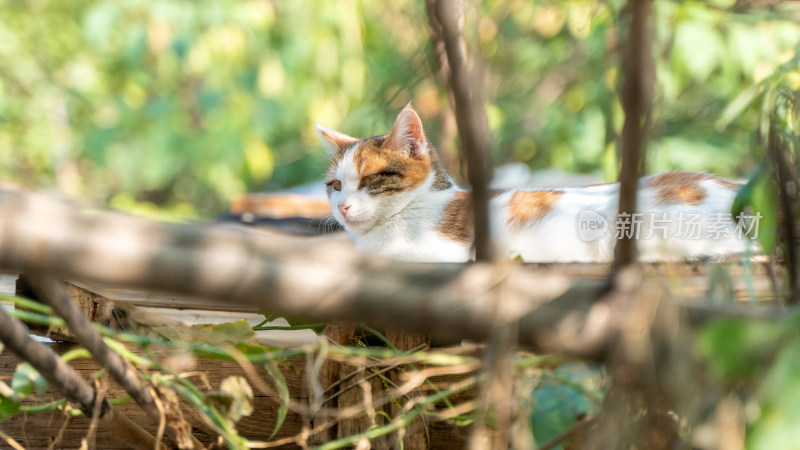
(373, 156)
(684, 187)
(727, 184)
(525, 208)
(456, 223)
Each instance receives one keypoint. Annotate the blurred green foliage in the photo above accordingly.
(176, 106)
(760, 361)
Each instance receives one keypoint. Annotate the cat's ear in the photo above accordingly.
(333, 141)
(407, 133)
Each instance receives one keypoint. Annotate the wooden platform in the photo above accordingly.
(40, 430)
(696, 282)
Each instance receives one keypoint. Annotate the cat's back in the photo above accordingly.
(540, 225)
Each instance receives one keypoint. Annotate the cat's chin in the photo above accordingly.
(356, 226)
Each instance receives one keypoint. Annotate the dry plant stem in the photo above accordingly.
(636, 94)
(470, 118)
(60, 375)
(11, 442)
(52, 291)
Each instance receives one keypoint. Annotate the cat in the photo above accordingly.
(391, 194)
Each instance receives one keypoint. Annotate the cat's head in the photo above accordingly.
(371, 180)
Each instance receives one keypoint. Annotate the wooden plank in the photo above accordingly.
(95, 307)
(188, 317)
(8, 282)
(160, 299)
(281, 206)
(99, 308)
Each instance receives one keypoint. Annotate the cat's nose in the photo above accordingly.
(343, 209)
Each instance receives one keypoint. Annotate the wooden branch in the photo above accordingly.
(319, 279)
(470, 118)
(55, 295)
(15, 336)
(784, 179)
(636, 96)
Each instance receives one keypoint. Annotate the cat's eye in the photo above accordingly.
(335, 184)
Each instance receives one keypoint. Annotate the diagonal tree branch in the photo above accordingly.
(15, 336)
(51, 290)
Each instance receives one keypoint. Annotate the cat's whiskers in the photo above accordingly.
(327, 224)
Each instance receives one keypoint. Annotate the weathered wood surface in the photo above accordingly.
(8, 283)
(98, 305)
(281, 205)
(95, 307)
(360, 389)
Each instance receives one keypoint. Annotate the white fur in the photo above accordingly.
(400, 226)
(405, 225)
(556, 237)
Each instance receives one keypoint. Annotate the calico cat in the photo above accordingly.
(393, 197)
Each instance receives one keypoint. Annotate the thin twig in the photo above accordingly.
(10, 441)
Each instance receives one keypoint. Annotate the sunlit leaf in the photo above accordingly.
(241, 395)
(235, 331)
(27, 380)
(699, 47)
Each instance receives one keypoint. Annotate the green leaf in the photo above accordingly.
(8, 407)
(300, 323)
(237, 331)
(562, 398)
(283, 391)
(698, 47)
(776, 425)
(759, 196)
(27, 380)
(739, 349)
(234, 331)
(739, 104)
